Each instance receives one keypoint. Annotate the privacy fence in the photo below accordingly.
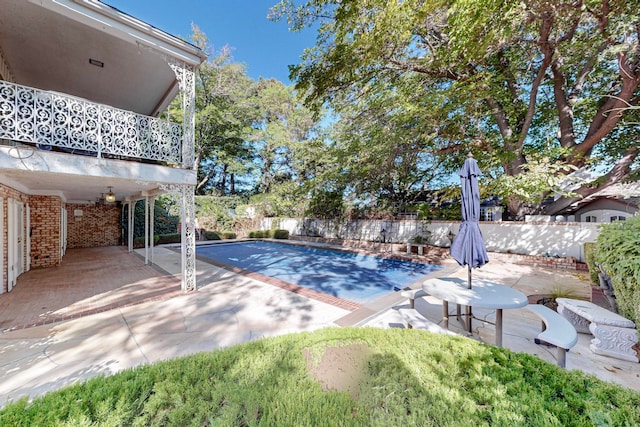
(553, 239)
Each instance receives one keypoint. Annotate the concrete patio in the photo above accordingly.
(104, 311)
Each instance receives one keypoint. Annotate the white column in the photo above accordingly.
(152, 206)
(188, 239)
(130, 230)
(146, 229)
(185, 74)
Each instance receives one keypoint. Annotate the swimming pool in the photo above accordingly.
(345, 275)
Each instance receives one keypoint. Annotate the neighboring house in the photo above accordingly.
(606, 209)
(491, 209)
(81, 87)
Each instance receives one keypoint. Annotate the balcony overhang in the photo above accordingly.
(82, 179)
(93, 51)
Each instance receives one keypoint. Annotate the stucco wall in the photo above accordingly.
(564, 239)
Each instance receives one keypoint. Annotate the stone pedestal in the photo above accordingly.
(614, 342)
(614, 335)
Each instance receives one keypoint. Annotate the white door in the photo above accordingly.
(63, 234)
(15, 242)
(27, 237)
(2, 228)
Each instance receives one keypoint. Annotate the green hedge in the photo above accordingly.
(212, 235)
(618, 251)
(168, 238)
(269, 234)
(138, 242)
(589, 255)
(227, 235)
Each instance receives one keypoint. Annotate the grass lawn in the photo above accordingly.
(340, 377)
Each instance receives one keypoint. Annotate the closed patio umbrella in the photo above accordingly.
(468, 247)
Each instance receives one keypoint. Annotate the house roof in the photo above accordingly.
(627, 194)
(51, 45)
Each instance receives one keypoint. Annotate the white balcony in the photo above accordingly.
(75, 125)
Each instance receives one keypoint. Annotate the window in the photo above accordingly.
(590, 218)
(617, 218)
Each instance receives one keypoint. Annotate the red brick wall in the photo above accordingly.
(46, 215)
(94, 226)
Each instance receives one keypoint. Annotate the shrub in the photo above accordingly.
(269, 234)
(138, 242)
(229, 235)
(168, 238)
(618, 251)
(589, 254)
(212, 235)
(279, 234)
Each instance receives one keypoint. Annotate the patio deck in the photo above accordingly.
(89, 281)
(104, 310)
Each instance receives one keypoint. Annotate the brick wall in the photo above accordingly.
(90, 226)
(46, 215)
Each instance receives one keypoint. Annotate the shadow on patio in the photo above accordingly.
(90, 280)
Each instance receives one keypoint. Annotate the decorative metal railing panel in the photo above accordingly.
(53, 119)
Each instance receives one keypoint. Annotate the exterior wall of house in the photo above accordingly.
(46, 213)
(90, 226)
(604, 209)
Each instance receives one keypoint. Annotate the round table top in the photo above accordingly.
(483, 293)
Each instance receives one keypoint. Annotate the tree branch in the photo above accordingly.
(619, 171)
(610, 113)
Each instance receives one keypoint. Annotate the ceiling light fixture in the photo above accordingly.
(110, 197)
(96, 62)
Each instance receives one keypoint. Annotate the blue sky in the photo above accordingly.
(265, 47)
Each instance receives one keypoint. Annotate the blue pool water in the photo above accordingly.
(355, 277)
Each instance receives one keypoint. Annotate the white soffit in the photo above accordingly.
(83, 178)
(107, 19)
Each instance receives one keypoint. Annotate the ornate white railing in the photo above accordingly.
(49, 118)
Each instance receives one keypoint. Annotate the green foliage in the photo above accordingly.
(409, 377)
(280, 234)
(215, 212)
(212, 235)
(165, 218)
(269, 234)
(326, 205)
(168, 238)
(589, 255)
(618, 251)
(138, 242)
(219, 235)
(424, 211)
(528, 87)
(282, 201)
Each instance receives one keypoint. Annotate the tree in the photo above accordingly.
(515, 82)
(281, 129)
(225, 113)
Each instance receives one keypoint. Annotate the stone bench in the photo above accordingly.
(416, 320)
(412, 295)
(556, 331)
(417, 245)
(614, 335)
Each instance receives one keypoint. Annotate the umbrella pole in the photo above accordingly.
(468, 308)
